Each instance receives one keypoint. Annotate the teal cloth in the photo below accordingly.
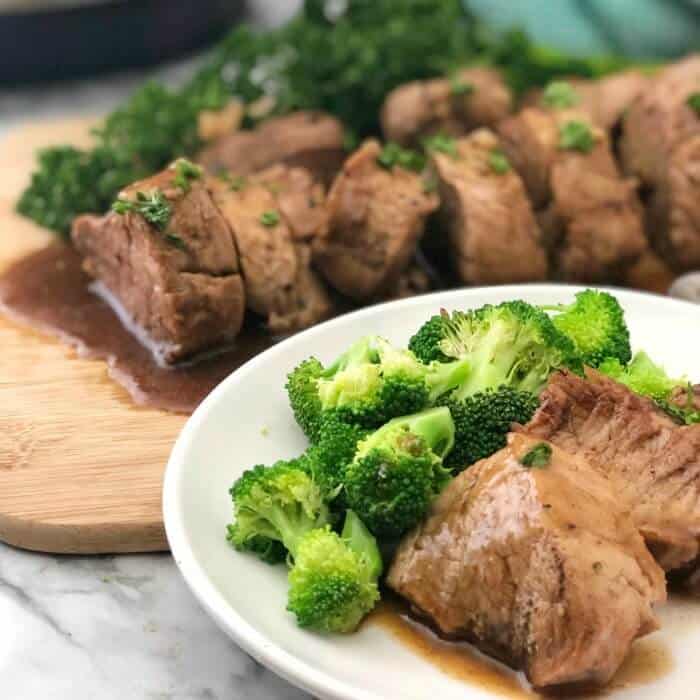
(637, 28)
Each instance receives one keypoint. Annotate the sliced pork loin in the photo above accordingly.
(494, 237)
(180, 287)
(604, 100)
(474, 97)
(654, 463)
(590, 216)
(312, 140)
(275, 255)
(376, 216)
(536, 565)
(661, 146)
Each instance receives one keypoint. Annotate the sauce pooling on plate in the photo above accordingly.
(48, 291)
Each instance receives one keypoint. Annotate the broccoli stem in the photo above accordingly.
(362, 542)
(445, 376)
(293, 526)
(435, 426)
(361, 352)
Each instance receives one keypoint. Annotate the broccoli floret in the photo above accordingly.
(334, 449)
(333, 583)
(280, 503)
(368, 385)
(303, 397)
(425, 344)
(595, 322)
(645, 377)
(398, 470)
(269, 550)
(482, 422)
(513, 344)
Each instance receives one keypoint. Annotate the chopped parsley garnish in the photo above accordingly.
(175, 241)
(270, 218)
(460, 87)
(576, 136)
(499, 162)
(430, 184)
(538, 457)
(560, 94)
(693, 102)
(153, 206)
(392, 155)
(441, 143)
(185, 172)
(234, 182)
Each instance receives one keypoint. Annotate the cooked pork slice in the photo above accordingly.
(414, 280)
(654, 463)
(312, 140)
(181, 286)
(376, 217)
(280, 284)
(493, 235)
(661, 146)
(537, 565)
(650, 273)
(591, 218)
(300, 199)
(474, 97)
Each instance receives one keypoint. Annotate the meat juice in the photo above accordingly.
(48, 291)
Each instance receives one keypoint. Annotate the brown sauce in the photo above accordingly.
(48, 291)
(648, 660)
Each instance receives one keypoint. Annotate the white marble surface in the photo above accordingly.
(113, 628)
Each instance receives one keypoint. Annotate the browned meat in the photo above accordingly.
(493, 235)
(180, 287)
(650, 273)
(300, 199)
(412, 281)
(654, 463)
(375, 219)
(280, 284)
(538, 566)
(661, 145)
(605, 100)
(590, 216)
(312, 140)
(474, 97)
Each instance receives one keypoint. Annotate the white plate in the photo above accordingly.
(246, 420)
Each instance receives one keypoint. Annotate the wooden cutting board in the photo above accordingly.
(81, 466)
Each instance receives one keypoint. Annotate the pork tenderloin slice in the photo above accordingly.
(654, 463)
(538, 566)
(179, 288)
(376, 216)
(494, 237)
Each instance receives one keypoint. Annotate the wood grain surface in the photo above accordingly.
(81, 466)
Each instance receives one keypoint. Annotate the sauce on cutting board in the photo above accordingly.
(49, 291)
(649, 659)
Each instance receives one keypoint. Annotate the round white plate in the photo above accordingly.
(246, 420)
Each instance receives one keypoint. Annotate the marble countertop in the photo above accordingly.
(117, 627)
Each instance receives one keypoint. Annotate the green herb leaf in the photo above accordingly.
(499, 162)
(538, 457)
(560, 94)
(269, 218)
(694, 102)
(152, 206)
(460, 87)
(441, 143)
(185, 172)
(430, 184)
(392, 155)
(175, 241)
(576, 136)
(235, 183)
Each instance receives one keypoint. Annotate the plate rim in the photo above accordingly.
(264, 650)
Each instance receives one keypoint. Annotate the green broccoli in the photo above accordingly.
(369, 384)
(333, 450)
(645, 377)
(595, 322)
(398, 470)
(482, 422)
(513, 344)
(333, 583)
(280, 503)
(303, 397)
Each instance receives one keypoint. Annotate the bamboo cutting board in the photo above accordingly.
(81, 466)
